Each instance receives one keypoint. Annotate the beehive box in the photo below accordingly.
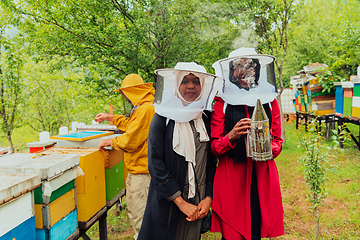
(115, 175)
(90, 187)
(320, 102)
(54, 199)
(90, 143)
(63, 229)
(16, 200)
(298, 83)
(339, 98)
(356, 88)
(115, 179)
(39, 146)
(356, 98)
(323, 107)
(82, 135)
(348, 95)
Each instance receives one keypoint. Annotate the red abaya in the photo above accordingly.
(232, 183)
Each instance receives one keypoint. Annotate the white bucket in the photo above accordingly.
(44, 136)
(63, 130)
(74, 126)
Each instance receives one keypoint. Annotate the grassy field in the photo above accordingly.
(339, 215)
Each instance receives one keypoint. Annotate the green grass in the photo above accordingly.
(339, 215)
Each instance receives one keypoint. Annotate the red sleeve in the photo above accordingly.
(220, 142)
(276, 129)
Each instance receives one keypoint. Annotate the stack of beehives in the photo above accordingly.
(320, 102)
(300, 92)
(309, 94)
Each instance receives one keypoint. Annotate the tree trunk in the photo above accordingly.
(317, 224)
(8, 136)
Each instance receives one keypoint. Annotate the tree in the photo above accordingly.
(271, 20)
(55, 98)
(315, 163)
(11, 79)
(326, 32)
(124, 36)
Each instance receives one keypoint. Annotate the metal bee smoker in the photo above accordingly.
(259, 140)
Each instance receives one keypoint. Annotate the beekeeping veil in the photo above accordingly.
(170, 103)
(260, 85)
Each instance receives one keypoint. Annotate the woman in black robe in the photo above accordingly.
(176, 206)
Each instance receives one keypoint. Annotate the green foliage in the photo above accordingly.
(316, 163)
(327, 32)
(123, 37)
(271, 19)
(327, 79)
(12, 59)
(20, 137)
(55, 98)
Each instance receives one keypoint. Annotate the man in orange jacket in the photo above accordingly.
(134, 143)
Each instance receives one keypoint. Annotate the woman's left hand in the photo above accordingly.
(204, 207)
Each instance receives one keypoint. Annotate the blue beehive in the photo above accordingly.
(339, 98)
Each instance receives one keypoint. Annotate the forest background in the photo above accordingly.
(61, 59)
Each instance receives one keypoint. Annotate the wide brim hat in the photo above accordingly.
(244, 52)
(167, 101)
(132, 80)
(231, 94)
(184, 66)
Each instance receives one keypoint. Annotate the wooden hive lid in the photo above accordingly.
(13, 185)
(47, 166)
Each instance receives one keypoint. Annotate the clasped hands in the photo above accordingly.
(191, 211)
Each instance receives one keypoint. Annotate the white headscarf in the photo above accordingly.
(170, 106)
(233, 95)
(174, 106)
(179, 77)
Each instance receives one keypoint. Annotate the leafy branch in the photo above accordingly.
(316, 162)
(327, 79)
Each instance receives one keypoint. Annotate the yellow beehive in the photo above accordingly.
(57, 209)
(356, 112)
(90, 187)
(314, 81)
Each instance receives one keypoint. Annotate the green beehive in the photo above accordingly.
(114, 178)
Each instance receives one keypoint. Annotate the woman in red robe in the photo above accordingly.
(247, 201)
